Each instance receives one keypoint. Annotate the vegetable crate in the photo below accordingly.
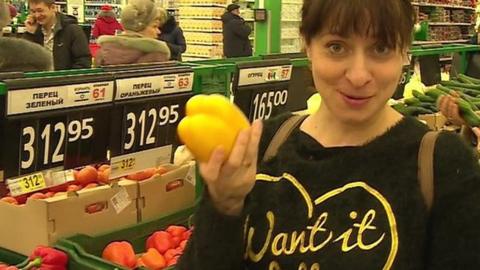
(10, 257)
(85, 252)
(210, 79)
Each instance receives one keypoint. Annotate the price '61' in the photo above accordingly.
(57, 134)
(147, 120)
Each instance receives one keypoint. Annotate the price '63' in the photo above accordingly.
(46, 143)
(142, 126)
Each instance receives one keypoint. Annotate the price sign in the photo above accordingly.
(262, 92)
(148, 109)
(56, 126)
(27, 184)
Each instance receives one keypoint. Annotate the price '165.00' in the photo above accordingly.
(74, 131)
(264, 103)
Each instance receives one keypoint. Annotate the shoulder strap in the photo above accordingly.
(281, 135)
(425, 167)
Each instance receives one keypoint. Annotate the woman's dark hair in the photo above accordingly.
(389, 21)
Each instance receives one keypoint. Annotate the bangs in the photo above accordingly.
(388, 21)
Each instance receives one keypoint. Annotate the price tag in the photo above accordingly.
(263, 75)
(26, 184)
(44, 137)
(149, 86)
(138, 161)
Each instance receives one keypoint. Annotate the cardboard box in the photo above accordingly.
(166, 194)
(428, 119)
(43, 222)
(436, 121)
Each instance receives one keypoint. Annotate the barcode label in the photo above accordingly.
(121, 200)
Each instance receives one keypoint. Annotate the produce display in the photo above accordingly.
(162, 249)
(466, 87)
(88, 177)
(42, 258)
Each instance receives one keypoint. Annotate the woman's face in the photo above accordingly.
(355, 75)
(151, 30)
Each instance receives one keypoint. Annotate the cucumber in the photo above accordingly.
(415, 111)
(454, 85)
(422, 97)
(471, 79)
(468, 114)
(464, 80)
(411, 101)
(435, 93)
(444, 89)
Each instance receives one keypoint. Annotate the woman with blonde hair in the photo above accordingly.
(141, 20)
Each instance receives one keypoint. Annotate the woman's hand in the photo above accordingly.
(230, 181)
(447, 104)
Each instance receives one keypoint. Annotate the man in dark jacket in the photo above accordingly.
(59, 33)
(172, 34)
(235, 33)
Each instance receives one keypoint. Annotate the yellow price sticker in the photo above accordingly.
(127, 164)
(32, 182)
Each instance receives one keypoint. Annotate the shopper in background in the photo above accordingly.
(59, 33)
(137, 44)
(13, 11)
(235, 33)
(18, 54)
(106, 23)
(342, 192)
(172, 34)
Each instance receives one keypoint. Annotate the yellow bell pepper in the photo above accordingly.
(211, 121)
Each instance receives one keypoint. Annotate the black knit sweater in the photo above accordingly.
(348, 208)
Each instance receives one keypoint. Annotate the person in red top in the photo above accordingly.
(106, 23)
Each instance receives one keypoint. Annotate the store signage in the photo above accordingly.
(148, 109)
(23, 101)
(139, 87)
(134, 162)
(263, 75)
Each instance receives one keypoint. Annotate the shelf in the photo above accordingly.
(204, 43)
(200, 56)
(202, 5)
(448, 23)
(100, 4)
(199, 18)
(446, 59)
(201, 31)
(441, 5)
(290, 20)
(440, 41)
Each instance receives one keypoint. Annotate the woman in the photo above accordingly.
(172, 34)
(106, 23)
(342, 191)
(141, 20)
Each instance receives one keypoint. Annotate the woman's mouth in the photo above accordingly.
(355, 101)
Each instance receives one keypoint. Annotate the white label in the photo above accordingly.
(262, 75)
(154, 85)
(7, 29)
(121, 200)
(58, 178)
(58, 97)
(139, 161)
(191, 175)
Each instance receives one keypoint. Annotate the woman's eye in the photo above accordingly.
(381, 50)
(336, 48)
